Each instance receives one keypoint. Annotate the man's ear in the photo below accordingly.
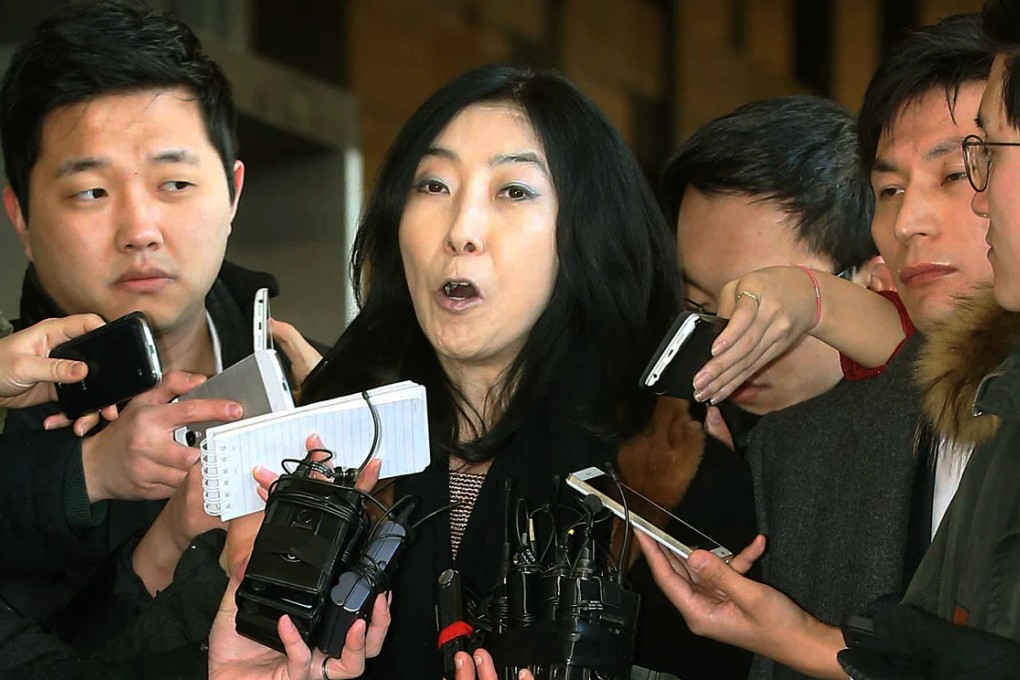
(875, 275)
(13, 207)
(238, 185)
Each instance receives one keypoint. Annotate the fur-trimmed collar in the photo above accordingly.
(661, 460)
(956, 356)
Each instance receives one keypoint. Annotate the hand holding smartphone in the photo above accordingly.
(123, 362)
(685, 349)
(257, 382)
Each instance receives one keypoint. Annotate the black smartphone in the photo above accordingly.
(685, 349)
(123, 362)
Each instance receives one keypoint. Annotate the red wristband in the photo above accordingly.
(818, 294)
(453, 631)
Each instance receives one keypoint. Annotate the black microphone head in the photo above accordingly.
(592, 504)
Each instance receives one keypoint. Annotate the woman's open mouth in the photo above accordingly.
(460, 290)
(458, 294)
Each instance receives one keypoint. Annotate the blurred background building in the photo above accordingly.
(324, 85)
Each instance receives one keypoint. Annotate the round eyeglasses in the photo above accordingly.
(978, 161)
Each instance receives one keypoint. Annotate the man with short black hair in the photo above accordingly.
(970, 575)
(776, 182)
(818, 465)
(120, 147)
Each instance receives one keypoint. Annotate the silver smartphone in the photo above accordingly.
(595, 482)
(262, 333)
(257, 382)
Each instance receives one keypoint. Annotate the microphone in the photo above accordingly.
(562, 613)
(611, 471)
(504, 563)
(454, 631)
(593, 504)
(501, 601)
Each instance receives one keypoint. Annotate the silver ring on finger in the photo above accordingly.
(325, 673)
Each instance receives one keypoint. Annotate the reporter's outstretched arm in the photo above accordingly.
(771, 309)
(182, 519)
(35, 462)
(28, 374)
(178, 620)
(165, 639)
(719, 602)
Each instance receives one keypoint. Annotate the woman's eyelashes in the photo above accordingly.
(430, 185)
(513, 191)
(518, 192)
(699, 307)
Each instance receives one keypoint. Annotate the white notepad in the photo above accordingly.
(231, 451)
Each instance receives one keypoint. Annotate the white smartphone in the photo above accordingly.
(694, 334)
(257, 382)
(262, 333)
(595, 482)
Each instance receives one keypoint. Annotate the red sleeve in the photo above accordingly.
(853, 370)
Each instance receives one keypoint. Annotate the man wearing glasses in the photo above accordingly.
(971, 573)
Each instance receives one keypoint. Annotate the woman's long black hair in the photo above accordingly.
(617, 289)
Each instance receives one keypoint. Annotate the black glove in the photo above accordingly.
(910, 644)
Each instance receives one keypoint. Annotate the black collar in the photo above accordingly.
(36, 305)
(230, 303)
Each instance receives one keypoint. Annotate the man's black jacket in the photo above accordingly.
(165, 640)
(52, 541)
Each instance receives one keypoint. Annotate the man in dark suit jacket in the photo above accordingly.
(838, 476)
(120, 149)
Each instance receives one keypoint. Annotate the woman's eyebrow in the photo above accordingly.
(527, 157)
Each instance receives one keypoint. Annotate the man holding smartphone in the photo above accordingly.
(119, 144)
(27, 378)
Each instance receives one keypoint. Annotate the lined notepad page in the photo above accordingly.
(231, 451)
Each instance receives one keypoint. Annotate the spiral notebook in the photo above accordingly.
(345, 424)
